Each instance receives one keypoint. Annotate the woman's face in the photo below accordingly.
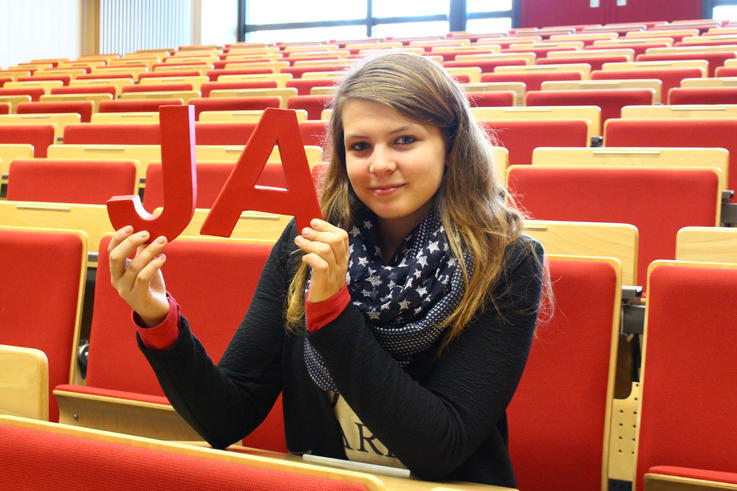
(394, 164)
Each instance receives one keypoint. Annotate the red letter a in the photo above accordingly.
(180, 180)
(277, 126)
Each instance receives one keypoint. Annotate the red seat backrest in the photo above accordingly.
(31, 458)
(42, 272)
(182, 73)
(65, 181)
(522, 137)
(658, 202)
(297, 71)
(595, 61)
(211, 178)
(490, 99)
(705, 95)
(35, 93)
(100, 89)
(305, 86)
(689, 132)
(156, 87)
(485, 66)
(610, 101)
(715, 59)
(208, 87)
(314, 133)
(689, 370)
(233, 104)
(221, 70)
(671, 77)
(563, 450)
(4, 108)
(313, 104)
(113, 134)
(83, 108)
(38, 135)
(223, 133)
(135, 105)
(532, 81)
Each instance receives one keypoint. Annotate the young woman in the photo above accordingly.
(398, 328)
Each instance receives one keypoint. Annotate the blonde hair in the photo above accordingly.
(470, 201)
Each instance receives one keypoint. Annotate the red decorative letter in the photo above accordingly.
(277, 126)
(180, 180)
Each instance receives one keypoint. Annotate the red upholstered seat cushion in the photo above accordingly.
(305, 86)
(671, 77)
(233, 104)
(35, 93)
(701, 474)
(532, 81)
(91, 182)
(113, 134)
(595, 61)
(706, 95)
(689, 132)
(41, 275)
(568, 364)
(688, 405)
(35, 459)
(610, 101)
(522, 137)
(208, 87)
(100, 89)
(38, 135)
(313, 104)
(490, 99)
(658, 202)
(715, 59)
(83, 108)
(156, 87)
(135, 105)
(485, 66)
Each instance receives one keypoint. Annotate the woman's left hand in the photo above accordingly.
(326, 252)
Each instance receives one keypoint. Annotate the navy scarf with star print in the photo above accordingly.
(404, 302)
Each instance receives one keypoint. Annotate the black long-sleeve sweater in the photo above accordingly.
(444, 418)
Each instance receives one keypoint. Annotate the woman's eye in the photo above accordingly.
(405, 140)
(358, 146)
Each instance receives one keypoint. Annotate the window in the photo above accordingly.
(299, 20)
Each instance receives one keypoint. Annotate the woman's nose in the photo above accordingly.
(382, 161)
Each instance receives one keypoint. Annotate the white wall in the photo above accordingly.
(34, 29)
(215, 21)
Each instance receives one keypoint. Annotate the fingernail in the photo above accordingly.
(127, 229)
(161, 257)
(161, 240)
(143, 235)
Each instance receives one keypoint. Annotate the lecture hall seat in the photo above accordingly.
(305, 86)
(687, 411)
(83, 108)
(705, 95)
(610, 101)
(42, 290)
(34, 455)
(113, 134)
(227, 272)
(671, 77)
(313, 104)
(490, 99)
(672, 478)
(217, 72)
(208, 87)
(715, 59)
(135, 105)
(211, 178)
(4, 108)
(173, 87)
(486, 66)
(102, 89)
(659, 202)
(38, 135)
(686, 132)
(531, 80)
(568, 447)
(595, 61)
(233, 104)
(34, 92)
(521, 137)
(69, 181)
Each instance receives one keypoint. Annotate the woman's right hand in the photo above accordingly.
(139, 280)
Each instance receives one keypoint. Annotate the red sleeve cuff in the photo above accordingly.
(321, 313)
(163, 335)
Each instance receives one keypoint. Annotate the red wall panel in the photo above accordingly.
(541, 13)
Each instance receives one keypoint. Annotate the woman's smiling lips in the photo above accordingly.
(386, 190)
